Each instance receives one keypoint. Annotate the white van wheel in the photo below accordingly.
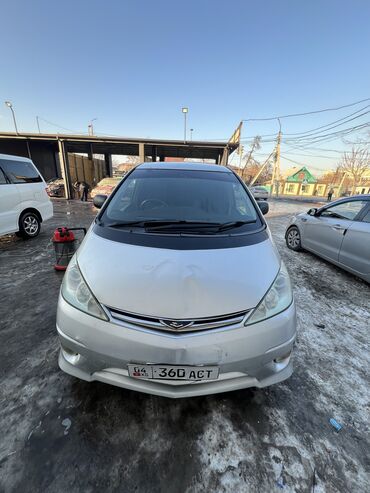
(29, 225)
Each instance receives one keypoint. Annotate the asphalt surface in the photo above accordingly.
(61, 434)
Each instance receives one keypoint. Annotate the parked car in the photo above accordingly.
(24, 203)
(55, 187)
(178, 289)
(259, 193)
(106, 186)
(338, 232)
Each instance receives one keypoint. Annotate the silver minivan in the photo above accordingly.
(178, 289)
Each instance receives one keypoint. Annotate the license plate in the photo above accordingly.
(168, 372)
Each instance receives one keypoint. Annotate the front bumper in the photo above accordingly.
(253, 356)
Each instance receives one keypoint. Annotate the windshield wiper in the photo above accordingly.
(153, 225)
(234, 224)
(198, 226)
(182, 224)
(141, 223)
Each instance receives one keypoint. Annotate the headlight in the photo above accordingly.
(276, 300)
(77, 293)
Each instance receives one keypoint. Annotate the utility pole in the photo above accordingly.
(341, 183)
(240, 151)
(276, 168)
(38, 124)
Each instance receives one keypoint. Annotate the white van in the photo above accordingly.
(24, 203)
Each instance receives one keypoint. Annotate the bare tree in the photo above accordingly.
(254, 168)
(356, 163)
(255, 146)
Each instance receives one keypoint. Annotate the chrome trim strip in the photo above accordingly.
(196, 324)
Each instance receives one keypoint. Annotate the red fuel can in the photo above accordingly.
(65, 245)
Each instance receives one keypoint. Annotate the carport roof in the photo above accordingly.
(128, 145)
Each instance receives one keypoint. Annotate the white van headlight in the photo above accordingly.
(77, 293)
(276, 300)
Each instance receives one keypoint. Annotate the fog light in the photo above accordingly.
(281, 359)
(70, 356)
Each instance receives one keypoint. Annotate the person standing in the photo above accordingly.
(76, 188)
(84, 190)
(330, 194)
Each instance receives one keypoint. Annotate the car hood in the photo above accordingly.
(177, 284)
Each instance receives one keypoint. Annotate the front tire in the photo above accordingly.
(293, 239)
(29, 225)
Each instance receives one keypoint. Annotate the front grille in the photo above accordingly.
(183, 325)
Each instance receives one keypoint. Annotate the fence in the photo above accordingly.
(81, 168)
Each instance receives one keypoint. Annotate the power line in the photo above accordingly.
(302, 164)
(59, 126)
(326, 137)
(310, 155)
(306, 113)
(320, 135)
(343, 119)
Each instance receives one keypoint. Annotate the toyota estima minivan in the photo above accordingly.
(177, 289)
(24, 203)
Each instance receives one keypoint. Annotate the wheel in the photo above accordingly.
(293, 239)
(29, 225)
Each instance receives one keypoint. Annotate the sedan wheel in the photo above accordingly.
(293, 239)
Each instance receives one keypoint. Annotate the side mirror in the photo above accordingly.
(312, 211)
(264, 206)
(99, 200)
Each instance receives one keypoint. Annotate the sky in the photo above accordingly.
(133, 64)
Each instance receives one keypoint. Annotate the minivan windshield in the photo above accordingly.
(180, 199)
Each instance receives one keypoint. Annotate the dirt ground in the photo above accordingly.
(60, 434)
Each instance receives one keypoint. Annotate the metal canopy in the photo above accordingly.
(49, 152)
(125, 145)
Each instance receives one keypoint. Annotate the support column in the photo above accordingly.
(90, 152)
(225, 157)
(142, 152)
(64, 166)
(93, 164)
(154, 154)
(28, 149)
(108, 164)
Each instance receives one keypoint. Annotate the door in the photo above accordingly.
(9, 205)
(324, 233)
(28, 181)
(355, 250)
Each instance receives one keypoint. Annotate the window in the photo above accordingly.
(291, 188)
(185, 195)
(366, 218)
(346, 210)
(2, 178)
(20, 171)
(304, 188)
